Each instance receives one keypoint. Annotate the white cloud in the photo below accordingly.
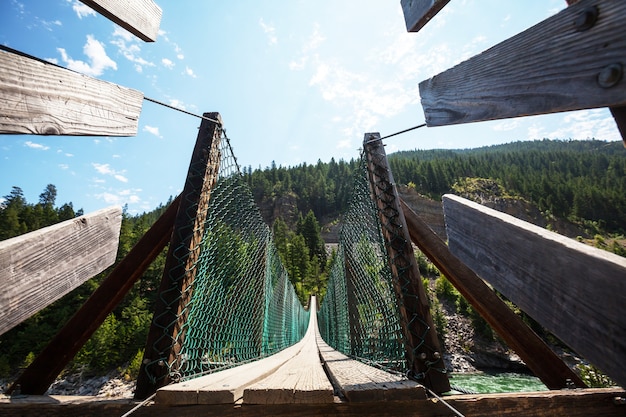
(587, 124)
(270, 31)
(178, 104)
(167, 63)
(37, 146)
(82, 10)
(344, 144)
(190, 72)
(105, 169)
(129, 46)
(314, 41)
(506, 125)
(152, 130)
(64, 166)
(98, 59)
(119, 198)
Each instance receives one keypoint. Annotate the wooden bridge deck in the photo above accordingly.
(307, 372)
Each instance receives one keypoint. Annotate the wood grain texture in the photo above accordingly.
(537, 355)
(142, 18)
(576, 291)
(422, 347)
(224, 387)
(359, 382)
(550, 67)
(40, 98)
(170, 310)
(419, 12)
(41, 373)
(300, 380)
(571, 403)
(40, 267)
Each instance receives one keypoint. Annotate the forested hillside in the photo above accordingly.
(584, 181)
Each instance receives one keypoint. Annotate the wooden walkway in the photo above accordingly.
(309, 372)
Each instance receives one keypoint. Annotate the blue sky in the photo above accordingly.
(294, 80)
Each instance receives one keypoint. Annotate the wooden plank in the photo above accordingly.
(224, 387)
(166, 333)
(550, 67)
(40, 267)
(300, 380)
(42, 372)
(422, 347)
(142, 18)
(619, 115)
(575, 291)
(603, 402)
(419, 12)
(534, 352)
(359, 382)
(37, 97)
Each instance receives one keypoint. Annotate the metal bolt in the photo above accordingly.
(437, 355)
(610, 75)
(423, 356)
(586, 19)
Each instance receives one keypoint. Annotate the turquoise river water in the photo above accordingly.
(485, 382)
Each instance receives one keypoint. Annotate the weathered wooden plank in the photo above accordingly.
(550, 67)
(422, 347)
(224, 387)
(300, 380)
(170, 310)
(419, 12)
(538, 356)
(40, 267)
(42, 372)
(142, 18)
(603, 402)
(576, 291)
(359, 382)
(40, 98)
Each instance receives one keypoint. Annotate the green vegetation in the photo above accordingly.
(582, 181)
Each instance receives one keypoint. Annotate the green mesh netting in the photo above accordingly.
(359, 314)
(240, 305)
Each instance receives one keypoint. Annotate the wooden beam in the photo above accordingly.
(37, 97)
(300, 380)
(40, 267)
(419, 12)
(574, 290)
(42, 372)
(539, 358)
(557, 65)
(423, 351)
(166, 335)
(619, 115)
(142, 18)
(359, 382)
(224, 387)
(605, 402)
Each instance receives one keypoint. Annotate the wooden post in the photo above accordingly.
(40, 98)
(142, 18)
(419, 12)
(40, 267)
(576, 291)
(42, 372)
(422, 347)
(570, 61)
(165, 337)
(546, 365)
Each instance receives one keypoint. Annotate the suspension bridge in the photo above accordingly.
(229, 335)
